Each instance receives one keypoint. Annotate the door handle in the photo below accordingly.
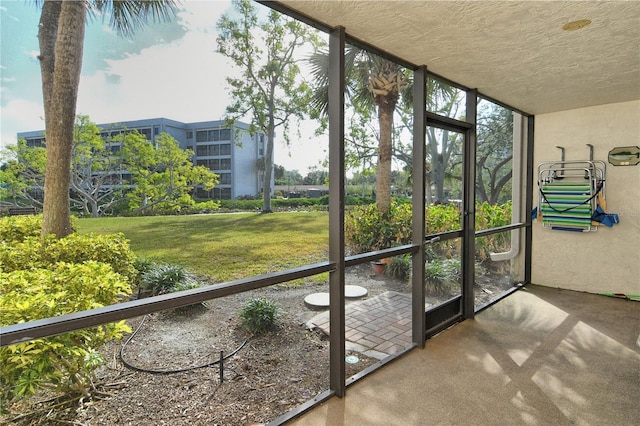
(433, 240)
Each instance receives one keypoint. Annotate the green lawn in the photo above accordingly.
(224, 247)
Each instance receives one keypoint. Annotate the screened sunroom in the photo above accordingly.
(503, 313)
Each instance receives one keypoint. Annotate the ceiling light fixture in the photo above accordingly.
(576, 25)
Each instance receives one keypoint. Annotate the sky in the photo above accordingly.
(169, 70)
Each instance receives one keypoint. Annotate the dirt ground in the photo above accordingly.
(268, 376)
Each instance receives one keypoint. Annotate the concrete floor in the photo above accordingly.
(541, 356)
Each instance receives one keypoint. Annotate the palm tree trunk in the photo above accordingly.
(61, 43)
(385, 146)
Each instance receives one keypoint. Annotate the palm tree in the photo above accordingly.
(371, 82)
(61, 39)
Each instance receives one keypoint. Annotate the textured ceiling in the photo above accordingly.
(513, 51)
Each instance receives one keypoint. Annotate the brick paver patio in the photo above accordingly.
(378, 326)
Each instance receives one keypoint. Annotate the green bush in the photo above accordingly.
(259, 315)
(442, 276)
(442, 218)
(43, 277)
(367, 229)
(16, 228)
(78, 248)
(161, 279)
(22, 247)
(400, 267)
(38, 252)
(64, 363)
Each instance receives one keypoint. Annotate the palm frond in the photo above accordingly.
(127, 16)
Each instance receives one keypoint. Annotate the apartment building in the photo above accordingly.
(231, 152)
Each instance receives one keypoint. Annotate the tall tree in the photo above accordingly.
(23, 173)
(443, 148)
(96, 171)
(494, 153)
(372, 82)
(61, 39)
(270, 88)
(162, 174)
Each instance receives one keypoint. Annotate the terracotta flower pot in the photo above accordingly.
(379, 267)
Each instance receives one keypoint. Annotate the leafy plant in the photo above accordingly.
(45, 277)
(442, 218)
(368, 229)
(22, 247)
(17, 228)
(161, 279)
(400, 267)
(259, 314)
(64, 363)
(442, 275)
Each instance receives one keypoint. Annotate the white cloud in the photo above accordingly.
(183, 81)
(20, 115)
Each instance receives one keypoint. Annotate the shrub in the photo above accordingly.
(400, 267)
(77, 248)
(66, 362)
(367, 229)
(442, 218)
(38, 252)
(442, 276)
(43, 277)
(15, 229)
(160, 279)
(259, 315)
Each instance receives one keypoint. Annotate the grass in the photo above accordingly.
(224, 247)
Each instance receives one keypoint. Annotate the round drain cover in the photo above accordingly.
(354, 291)
(352, 359)
(317, 300)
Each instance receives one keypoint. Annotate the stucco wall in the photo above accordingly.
(244, 166)
(607, 260)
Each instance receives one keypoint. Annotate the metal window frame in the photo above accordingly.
(337, 263)
(337, 351)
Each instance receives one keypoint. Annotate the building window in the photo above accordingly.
(225, 193)
(216, 193)
(225, 134)
(201, 136)
(225, 164)
(213, 150)
(213, 135)
(146, 133)
(35, 143)
(225, 178)
(189, 134)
